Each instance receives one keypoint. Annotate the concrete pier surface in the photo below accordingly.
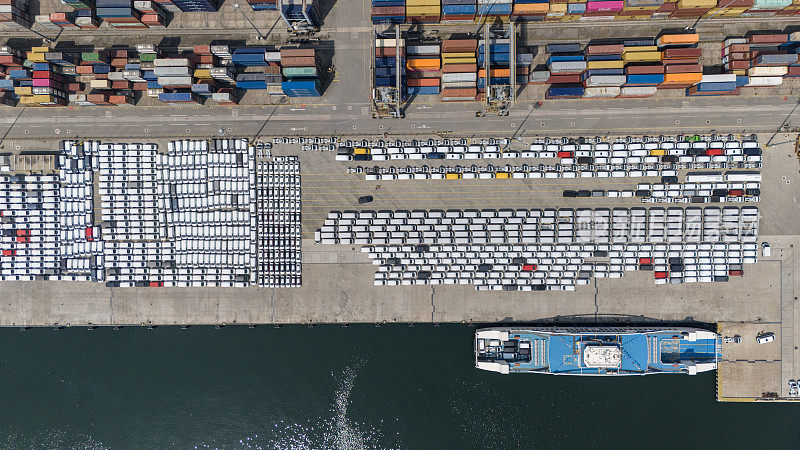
(337, 279)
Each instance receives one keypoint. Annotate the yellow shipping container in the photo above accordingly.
(472, 60)
(644, 48)
(458, 54)
(43, 98)
(618, 64)
(36, 57)
(557, 7)
(202, 73)
(23, 90)
(531, 8)
(641, 56)
(40, 49)
(569, 17)
(423, 10)
(690, 4)
(640, 8)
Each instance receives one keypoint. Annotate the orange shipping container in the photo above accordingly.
(416, 82)
(679, 39)
(495, 73)
(423, 63)
(682, 78)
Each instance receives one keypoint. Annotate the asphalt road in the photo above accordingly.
(650, 116)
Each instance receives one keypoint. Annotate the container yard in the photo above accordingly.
(215, 74)
(632, 159)
(479, 11)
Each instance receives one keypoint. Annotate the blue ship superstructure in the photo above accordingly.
(598, 351)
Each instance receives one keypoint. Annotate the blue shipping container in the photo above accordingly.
(645, 79)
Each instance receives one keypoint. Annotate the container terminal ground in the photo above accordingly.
(337, 280)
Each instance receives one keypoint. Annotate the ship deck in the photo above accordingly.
(640, 353)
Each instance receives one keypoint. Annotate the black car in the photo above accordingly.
(669, 179)
(568, 193)
(365, 199)
(584, 193)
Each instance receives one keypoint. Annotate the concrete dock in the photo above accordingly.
(337, 279)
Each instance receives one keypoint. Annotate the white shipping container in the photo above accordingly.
(146, 48)
(567, 66)
(638, 91)
(171, 62)
(720, 78)
(170, 81)
(765, 81)
(388, 42)
(767, 71)
(459, 77)
(606, 80)
(423, 50)
(272, 56)
(100, 84)
(600, 92)
(172, 71)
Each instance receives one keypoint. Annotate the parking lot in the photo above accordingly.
(338, 280)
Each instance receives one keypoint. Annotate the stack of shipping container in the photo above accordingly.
(263, 5)
(301, 71)
(423, 68)
(114, 76)
(385, 69)
(423, 11)
(489, 11)
(681, 61)
(300, 11)
(15, 14)
(458, 11)
(583, 10)
(119, 13)
(459, 70)
(388, 11)
(566, 64)
(499, 63)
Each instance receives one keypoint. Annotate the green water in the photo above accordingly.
(329, 387)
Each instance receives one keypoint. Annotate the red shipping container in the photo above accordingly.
(121, 84)
(681, 53)
(779, 38)
(794, 71)
(202, 49)
(644, 70)
(557, 79)
(611, 49)
(683, 68)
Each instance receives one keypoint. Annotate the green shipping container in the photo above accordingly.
(300, 71)
(147, 57)
(90, 56)
(771, 4)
